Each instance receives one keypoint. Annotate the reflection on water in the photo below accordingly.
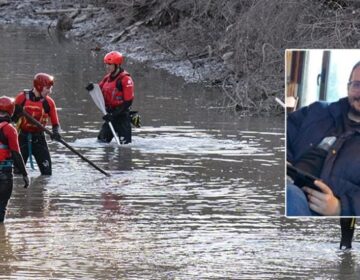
(196, 195)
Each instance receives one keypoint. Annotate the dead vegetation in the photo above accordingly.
(246, 39)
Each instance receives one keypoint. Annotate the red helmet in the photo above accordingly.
(7, 104)
(113, 58)
(42, 80)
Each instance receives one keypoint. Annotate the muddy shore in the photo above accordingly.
(98, 26)
(203, 42)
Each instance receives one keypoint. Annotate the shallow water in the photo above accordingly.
(197, 195)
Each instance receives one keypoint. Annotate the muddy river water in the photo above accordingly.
(197, 195)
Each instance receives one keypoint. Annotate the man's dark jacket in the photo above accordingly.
(341, 169)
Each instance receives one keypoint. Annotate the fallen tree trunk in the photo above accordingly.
(63, 11)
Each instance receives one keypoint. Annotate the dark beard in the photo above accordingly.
(353, 110)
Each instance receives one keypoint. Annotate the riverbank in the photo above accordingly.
(99, 26)
(156, 33)
(238, 47)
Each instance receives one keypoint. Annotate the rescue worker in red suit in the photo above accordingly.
(117, 88)
(9, 154)
(40, 106)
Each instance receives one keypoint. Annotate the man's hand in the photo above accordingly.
(90, 86)
(26, 179)
(324, 203)
(108, 117)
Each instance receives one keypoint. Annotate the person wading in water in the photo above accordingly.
(117, 88)
(9, 154)
(41, 106)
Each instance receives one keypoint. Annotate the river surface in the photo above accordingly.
(197, 195)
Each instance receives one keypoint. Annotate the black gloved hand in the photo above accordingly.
(108, 117)
(90, 86)
(26, 179)
(55, 133)
(55, 136)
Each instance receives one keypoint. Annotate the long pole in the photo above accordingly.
(38, 124)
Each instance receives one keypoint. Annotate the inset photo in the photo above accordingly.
(322, 132)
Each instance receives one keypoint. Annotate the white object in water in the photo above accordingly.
(98, 98)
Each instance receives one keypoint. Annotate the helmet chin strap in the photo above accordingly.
(116, 71)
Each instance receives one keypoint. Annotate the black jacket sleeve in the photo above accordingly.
(19, 162)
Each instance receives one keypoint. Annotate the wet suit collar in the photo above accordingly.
(33, 97)
(5, 119)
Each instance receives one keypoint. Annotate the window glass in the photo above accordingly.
(341, 63)
(310, 88)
